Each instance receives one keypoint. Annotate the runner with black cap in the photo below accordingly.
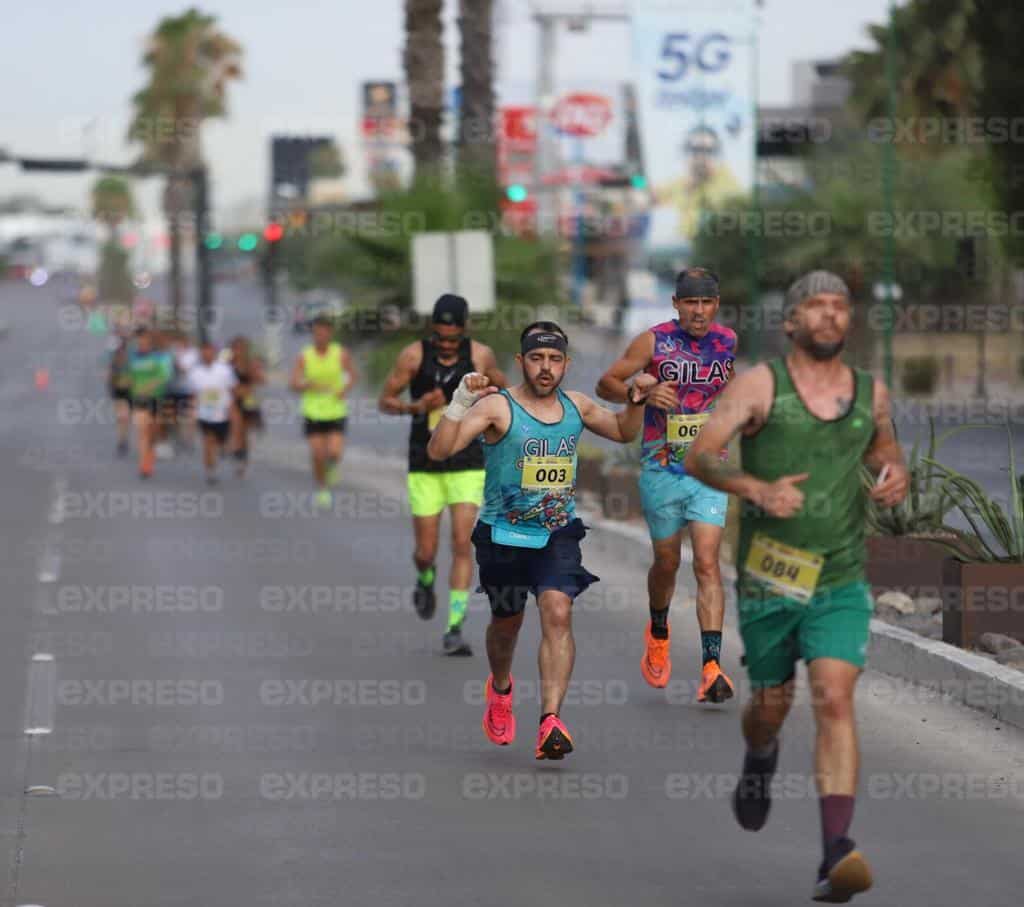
(806, 423)
(528, 538)
(692, 358)
(431, 369)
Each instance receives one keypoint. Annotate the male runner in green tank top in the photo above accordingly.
(807, 422)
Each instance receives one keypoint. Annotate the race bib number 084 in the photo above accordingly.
(683, 428)
(791, 572)
(547, 473)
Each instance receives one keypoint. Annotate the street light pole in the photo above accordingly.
(888, 168)
(204, 287)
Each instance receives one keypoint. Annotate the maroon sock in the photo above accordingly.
(836, 816)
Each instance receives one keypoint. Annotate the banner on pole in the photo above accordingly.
(693, 62)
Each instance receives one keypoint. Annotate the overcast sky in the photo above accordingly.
(66, 64)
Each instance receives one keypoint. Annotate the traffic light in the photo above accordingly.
(273, 232)
(516, 193)
(247, 242)
(213, 241)
(638, 181)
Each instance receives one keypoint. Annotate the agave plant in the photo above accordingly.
(924, 509)
(996, 536)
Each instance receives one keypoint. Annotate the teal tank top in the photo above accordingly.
(530, 485)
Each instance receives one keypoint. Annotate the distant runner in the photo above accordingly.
(324, 374)
(119, 382)
(528, 538)
(432, 370)
(807, 422)
(245, 410)
(151, 371)
(212, 382)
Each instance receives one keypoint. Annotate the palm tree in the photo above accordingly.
(423, 60)
(476, 120)
(190, 62)
(937, 62)
(111, 203)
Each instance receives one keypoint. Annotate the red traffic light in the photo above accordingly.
(273, 232)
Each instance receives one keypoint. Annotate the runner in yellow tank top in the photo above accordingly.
(324, 374)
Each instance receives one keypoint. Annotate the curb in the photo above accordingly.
(967, 678)
(964, 677)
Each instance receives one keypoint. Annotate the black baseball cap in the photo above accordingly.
(450, 309)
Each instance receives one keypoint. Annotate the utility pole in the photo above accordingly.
(888, 173)
(204, 286)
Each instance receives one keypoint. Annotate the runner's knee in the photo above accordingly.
(833, 704)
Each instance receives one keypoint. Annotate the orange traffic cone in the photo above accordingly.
(42, 378)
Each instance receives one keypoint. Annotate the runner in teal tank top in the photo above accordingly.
(528, 537)
(807, 423)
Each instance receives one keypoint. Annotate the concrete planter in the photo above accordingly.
(909, 564)
(981, 598)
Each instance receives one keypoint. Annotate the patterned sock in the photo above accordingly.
(659, 623)
(836, 816)
(457, 601)
(425, 577)
(711, 645)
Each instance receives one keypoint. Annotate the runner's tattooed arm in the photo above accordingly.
(740, 405)
(612, 386)
(885, 454)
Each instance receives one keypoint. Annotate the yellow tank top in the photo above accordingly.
(326, 372)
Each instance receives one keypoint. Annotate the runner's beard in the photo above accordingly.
(821, 352)
(538, 390)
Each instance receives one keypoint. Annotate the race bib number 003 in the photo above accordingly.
(547, 473)
(683, 428)
(791, 572)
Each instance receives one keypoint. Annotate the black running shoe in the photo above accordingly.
(423, 600)
(122, 448)
(752, 798)
(454, 644)
(845, 874)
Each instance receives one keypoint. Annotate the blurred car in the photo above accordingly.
(307, 309)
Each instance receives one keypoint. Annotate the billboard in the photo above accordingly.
(694, 69)
(382, 133)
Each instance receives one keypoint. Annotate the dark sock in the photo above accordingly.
(545, 715)
(501, 692)
(659, 623)
(761, 761)
(836, 816)
(711, 645)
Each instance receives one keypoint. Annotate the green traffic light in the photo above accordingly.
(516, 193)
(214, 241)
(639, 181)
(248, 241)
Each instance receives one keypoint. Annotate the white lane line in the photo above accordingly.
(49, 559)
(60, 487)
(41, 696)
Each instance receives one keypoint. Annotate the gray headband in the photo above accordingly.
(811, 284)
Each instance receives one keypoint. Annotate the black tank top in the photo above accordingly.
(433, 374)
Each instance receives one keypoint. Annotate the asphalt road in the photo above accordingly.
(245, 709)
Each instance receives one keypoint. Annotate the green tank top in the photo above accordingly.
(325, 370)
(793, 440)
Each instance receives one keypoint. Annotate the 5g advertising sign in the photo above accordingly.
(693, 62)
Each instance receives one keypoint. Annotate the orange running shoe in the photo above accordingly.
(656, 665)
(499, 723)
(714, 685)
(146, 464)
(553, 739)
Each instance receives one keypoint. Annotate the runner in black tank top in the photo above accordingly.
(431, 369)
